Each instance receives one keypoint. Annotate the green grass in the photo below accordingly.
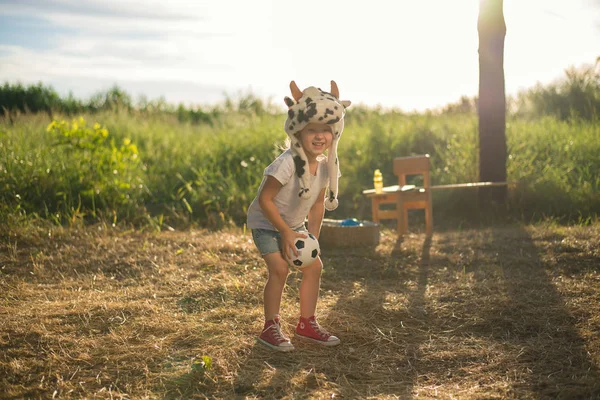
(207, 174)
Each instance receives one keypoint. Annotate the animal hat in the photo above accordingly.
(313, 105)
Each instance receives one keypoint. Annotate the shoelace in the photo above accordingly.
(322, 332)
(277, 333)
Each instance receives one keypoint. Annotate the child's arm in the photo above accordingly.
(315, 214)
(265, 199)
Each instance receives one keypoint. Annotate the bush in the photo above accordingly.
(577, 95)
(80, 172)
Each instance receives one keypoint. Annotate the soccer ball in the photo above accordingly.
(308, 251)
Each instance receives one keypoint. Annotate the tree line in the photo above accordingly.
(574, 95)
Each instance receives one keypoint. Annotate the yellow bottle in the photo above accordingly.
(378, 181)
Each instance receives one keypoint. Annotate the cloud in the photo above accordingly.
(106, 18)
(94, 8)
(132, 40)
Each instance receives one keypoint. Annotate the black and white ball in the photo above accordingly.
(308, 251)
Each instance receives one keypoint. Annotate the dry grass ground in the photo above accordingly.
(475, 314)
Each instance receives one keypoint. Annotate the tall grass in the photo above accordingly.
(207, 174)
(557, 165)
(576, 95)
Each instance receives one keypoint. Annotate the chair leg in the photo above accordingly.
(429, 219)
(400, 225)
(374, 209)
(400, 212)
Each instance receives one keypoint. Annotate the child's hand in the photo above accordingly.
(288, 239)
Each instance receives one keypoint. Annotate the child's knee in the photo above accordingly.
(314, 268)
(280, 272)
(279, 268)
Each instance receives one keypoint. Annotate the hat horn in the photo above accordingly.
(296, 93)
(334, 89)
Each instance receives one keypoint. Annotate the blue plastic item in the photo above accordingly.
(350, 222)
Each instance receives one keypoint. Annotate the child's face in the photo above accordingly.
(315, 139)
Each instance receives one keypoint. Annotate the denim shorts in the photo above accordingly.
(268, 241)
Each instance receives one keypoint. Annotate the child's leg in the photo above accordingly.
(278, 272)
(309, 288)
(308, 327)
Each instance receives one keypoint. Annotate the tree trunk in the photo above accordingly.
(492, 100)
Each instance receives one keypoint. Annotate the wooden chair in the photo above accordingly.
(406, 197)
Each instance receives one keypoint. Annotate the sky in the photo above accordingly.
(407, 54)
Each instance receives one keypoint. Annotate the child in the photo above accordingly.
(294, 188)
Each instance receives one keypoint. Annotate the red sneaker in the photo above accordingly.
(309, 328)
(273, 338)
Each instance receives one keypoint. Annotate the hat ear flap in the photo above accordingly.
(288, 102)
(296, 93)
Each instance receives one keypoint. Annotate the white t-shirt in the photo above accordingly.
(292, 208)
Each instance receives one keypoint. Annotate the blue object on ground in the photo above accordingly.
(350, 222)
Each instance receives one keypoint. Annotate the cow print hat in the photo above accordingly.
(313, 105)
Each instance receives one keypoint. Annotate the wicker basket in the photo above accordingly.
(334, 235)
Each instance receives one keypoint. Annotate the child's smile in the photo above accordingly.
(315, 139)
(319, 145)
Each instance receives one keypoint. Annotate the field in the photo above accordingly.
(126, 270)
(101, 312)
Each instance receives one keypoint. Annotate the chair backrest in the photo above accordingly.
(409, 166)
